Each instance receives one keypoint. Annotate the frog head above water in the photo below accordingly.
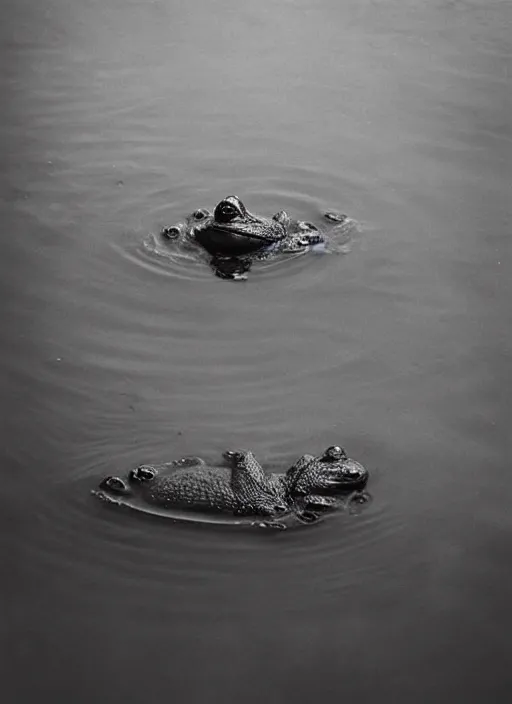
(232, 230)
(331, 472)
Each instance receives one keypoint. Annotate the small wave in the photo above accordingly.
(171, 261)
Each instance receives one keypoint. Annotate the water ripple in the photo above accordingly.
(148, 551)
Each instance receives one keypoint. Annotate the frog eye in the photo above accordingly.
(335, 453)
(228, 210)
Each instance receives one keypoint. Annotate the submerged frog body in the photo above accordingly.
(190, 489)
(234, 237)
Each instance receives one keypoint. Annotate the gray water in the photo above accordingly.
(119, 117)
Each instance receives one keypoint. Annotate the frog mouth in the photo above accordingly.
(349, 475)
(238, 230)
(245, 228)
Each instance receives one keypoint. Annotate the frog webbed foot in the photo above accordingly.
(274, 525)
(335, 216)
(309, 235)
(317, 501)
(312, 238)
(306, 516)
(305, 235)
(234, 268)
(294, 244)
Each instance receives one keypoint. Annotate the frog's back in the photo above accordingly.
(193, 487)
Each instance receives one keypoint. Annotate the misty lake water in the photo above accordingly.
(120, 117)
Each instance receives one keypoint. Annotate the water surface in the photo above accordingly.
(120, 117)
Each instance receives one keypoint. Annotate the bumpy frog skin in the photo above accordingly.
(235, 238)
(240, 493)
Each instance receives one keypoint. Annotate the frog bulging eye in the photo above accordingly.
(228, 211)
